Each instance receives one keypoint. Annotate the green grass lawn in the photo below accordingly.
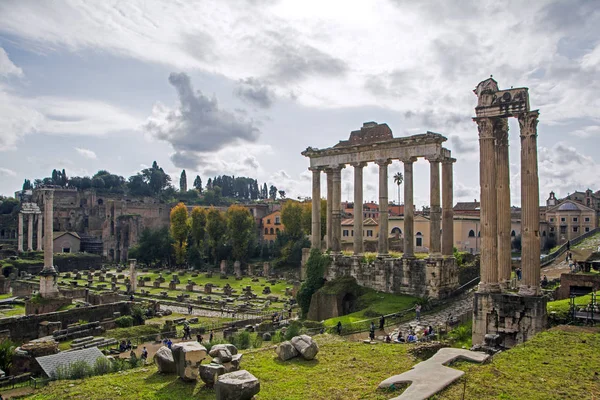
(561, 307)
(555, 365)
(17, 309)
(375, 304)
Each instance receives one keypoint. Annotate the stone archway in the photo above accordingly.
(348, 304)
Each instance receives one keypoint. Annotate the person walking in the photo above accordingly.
(381, 323)
(211, 336)
(339, 327)
(568, 245)
(418, 311)
(144, 354)
(372, 331)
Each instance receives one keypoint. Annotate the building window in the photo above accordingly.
(575, 219)
(544, 234)
(66, 250)
(266, 231)
(272, 231)
(345, 233)
(587, 219)
(352, 232)
(563, 219)
(575, 228)
(471, 233)
(276, 230)
(277, 221)
(419, 239)
(587, 228)
(551, 229)
(369, 233)
(563, 230)
(268, 221)
(551, 219)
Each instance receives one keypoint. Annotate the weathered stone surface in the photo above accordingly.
(286, 351)
(306, 346)
(234, 364)
(187, 357)
(239, 385)
(221, 352)
(266, 337)
(210, 372)
(164, 361)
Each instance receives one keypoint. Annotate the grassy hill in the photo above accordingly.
(562, 363)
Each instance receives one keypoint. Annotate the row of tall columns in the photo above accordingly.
(30, 221)
(495, 204)
(439, 217)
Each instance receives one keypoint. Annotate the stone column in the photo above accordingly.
(530, 205)
(358, 208)
(447, 210)
(488, 215)
(316, 209)
(336, 216)
(20, 233)
(132, 275)
(436, 212)
(40, 235)
(503, 201)
(329, 237)
(48, 230)
(382, 247)
(30, 232)
(409, 211)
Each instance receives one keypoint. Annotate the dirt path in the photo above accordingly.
(561, 266)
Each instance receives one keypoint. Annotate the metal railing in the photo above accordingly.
(574, 242)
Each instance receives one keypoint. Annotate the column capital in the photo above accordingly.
(528, 123)
(501, 131)
(315, 169)
(358, 164)
(335, 168)
(448, 160)
(435, 159)
(485, 127)
(383, 162)
(408, 160)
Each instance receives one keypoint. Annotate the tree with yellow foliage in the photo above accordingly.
(180, 228)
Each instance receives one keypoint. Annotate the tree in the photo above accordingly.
(240, 228)
(216, 228)
(153, 246)
(27, 185)
(183, 182)
(98, 183)
(198, 225)
(265, 192)
(63, 178)
(398, 179)
(307, 218)
(291, 217)
(8, 205)
(315, 269)
(180, 229)
(281, 194)
(198, 184)
(273, 192)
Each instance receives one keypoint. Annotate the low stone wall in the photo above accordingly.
(576, 280)
(23, 288)
(103, 298)
(23, 328)
(433, 277)
(63, 264)
(47, 306)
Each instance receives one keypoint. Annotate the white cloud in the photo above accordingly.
(586, 132)
(86, 153)
(7, 67)
(7, 172)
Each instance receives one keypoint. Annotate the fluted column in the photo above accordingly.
(329, 237)
(40, 235)
(30, 232)
(336, 216)
(436, 212)
(358, 208)
(530, 205)
(487, 181)
(447, 210)
(48, 229)
(382, 248)
(503, 201)
(20, 233)
(409, 211)
(316, 209)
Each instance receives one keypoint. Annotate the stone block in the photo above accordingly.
(187, 357)
(306, 346)
(164, 361)
(221, 352)
(286, 351)
(210, 372)
(234, 364)
(239, 385)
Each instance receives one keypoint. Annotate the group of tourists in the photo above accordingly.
(125, 346)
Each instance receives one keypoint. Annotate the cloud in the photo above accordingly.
(7, 68)
(460, 145)
(587, 132)
(196, 125)
(254, 92)
(86, 153)
(7, 172)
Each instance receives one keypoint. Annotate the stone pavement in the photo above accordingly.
(430, 376)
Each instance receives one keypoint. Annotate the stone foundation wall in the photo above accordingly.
(103, 298)
(515, 318)
(23, 328)
(433, 277)
(48, 306)
(568, 280)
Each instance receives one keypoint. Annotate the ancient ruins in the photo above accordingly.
(48, 284)
(514, 317)
(436, 276)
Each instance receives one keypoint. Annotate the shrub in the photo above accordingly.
(315, 269)
(102, 366)
(6, 351)
(124, 322)
(277, 337)
(257, 340)
(137, 313)
(293, 330)
(241, 340)
(76, 370)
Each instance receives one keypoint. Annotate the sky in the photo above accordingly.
(241, 87)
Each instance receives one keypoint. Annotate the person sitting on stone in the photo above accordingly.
(129, 345)
(388, 339)
(412, 338)
(544, 281)
(199, 338)
(400, 338)
(169, 343)
(122, 346)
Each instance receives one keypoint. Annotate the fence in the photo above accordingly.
(556, 253)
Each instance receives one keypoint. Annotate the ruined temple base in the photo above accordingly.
(515, 318)
(46, 305)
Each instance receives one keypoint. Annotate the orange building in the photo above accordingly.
(271, 226)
